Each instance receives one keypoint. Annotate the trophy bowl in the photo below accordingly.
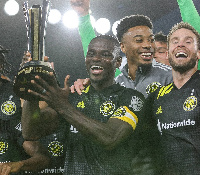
(26, 73)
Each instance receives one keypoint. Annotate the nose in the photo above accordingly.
(147, 44)
(181, 44)
(97, 57)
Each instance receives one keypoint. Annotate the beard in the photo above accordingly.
(182, 68)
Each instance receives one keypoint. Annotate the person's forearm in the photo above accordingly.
(36, 122)
(86, 32)
(30, 119)
(189, 13)
(109, 134)
(39, 156)
(36, 163)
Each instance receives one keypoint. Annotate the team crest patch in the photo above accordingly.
(107, 108)
(3, 147)
(190, 103)
(119, 112)
(136, 103)
(8, 108)
(152, 87)
(55, 148)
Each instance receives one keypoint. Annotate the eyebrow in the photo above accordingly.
(142, 36)
(187, 37)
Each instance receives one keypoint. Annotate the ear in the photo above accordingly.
(167, 54)
(122, 47)
(118, 62)
(198, 54)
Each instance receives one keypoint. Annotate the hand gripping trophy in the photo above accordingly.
(36, 20)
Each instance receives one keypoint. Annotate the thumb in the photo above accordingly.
(66, 81)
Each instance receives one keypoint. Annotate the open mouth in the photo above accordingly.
(96, 69)
(181, 55)
(147, 55)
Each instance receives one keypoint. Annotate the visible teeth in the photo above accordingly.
(146, 54)
(181, 54)
(96, 67)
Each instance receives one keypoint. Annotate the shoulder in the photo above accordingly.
(161, 67)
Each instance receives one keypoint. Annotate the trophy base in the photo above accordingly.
(26, 73)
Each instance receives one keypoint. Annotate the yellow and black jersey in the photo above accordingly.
(85, 157)
(10, 125)
(176, 114)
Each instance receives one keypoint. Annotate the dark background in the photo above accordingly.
(63, 45)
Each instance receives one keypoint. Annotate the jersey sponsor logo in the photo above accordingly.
(3, 146)
(50, 171)
(159, 110)
(81, 104)
(190, 103)
(107, 108)
(136, 103)
(55, 148)
(152, 87)
(172, 125)
(8, 108)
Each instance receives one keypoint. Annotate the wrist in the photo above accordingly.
(84, 18)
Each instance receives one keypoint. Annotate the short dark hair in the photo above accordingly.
(132, 21)
(160, 37)
(116, 52)
(184, 25)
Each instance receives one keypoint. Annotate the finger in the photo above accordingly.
(86, 82)
(52, 65)
(38, 95)
(46, 58)
(66, 81)
(49, 81)
(78, 90)
(36, 87)
(72, 89)
(79, 86)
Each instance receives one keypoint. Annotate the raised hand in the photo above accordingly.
(81, 7)
(50, 92)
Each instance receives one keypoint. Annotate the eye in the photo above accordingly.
(139, 40)
(90, 54)
(175, 41)
(107, 54)
(188, 42)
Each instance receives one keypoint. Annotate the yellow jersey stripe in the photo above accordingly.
(165, 90)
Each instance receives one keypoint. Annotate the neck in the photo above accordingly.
(132, 69)
(180, 79)
(100, 85)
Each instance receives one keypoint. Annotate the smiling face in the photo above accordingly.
(100, 61)
(183, 50)
(138, 45)
(161, 52)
